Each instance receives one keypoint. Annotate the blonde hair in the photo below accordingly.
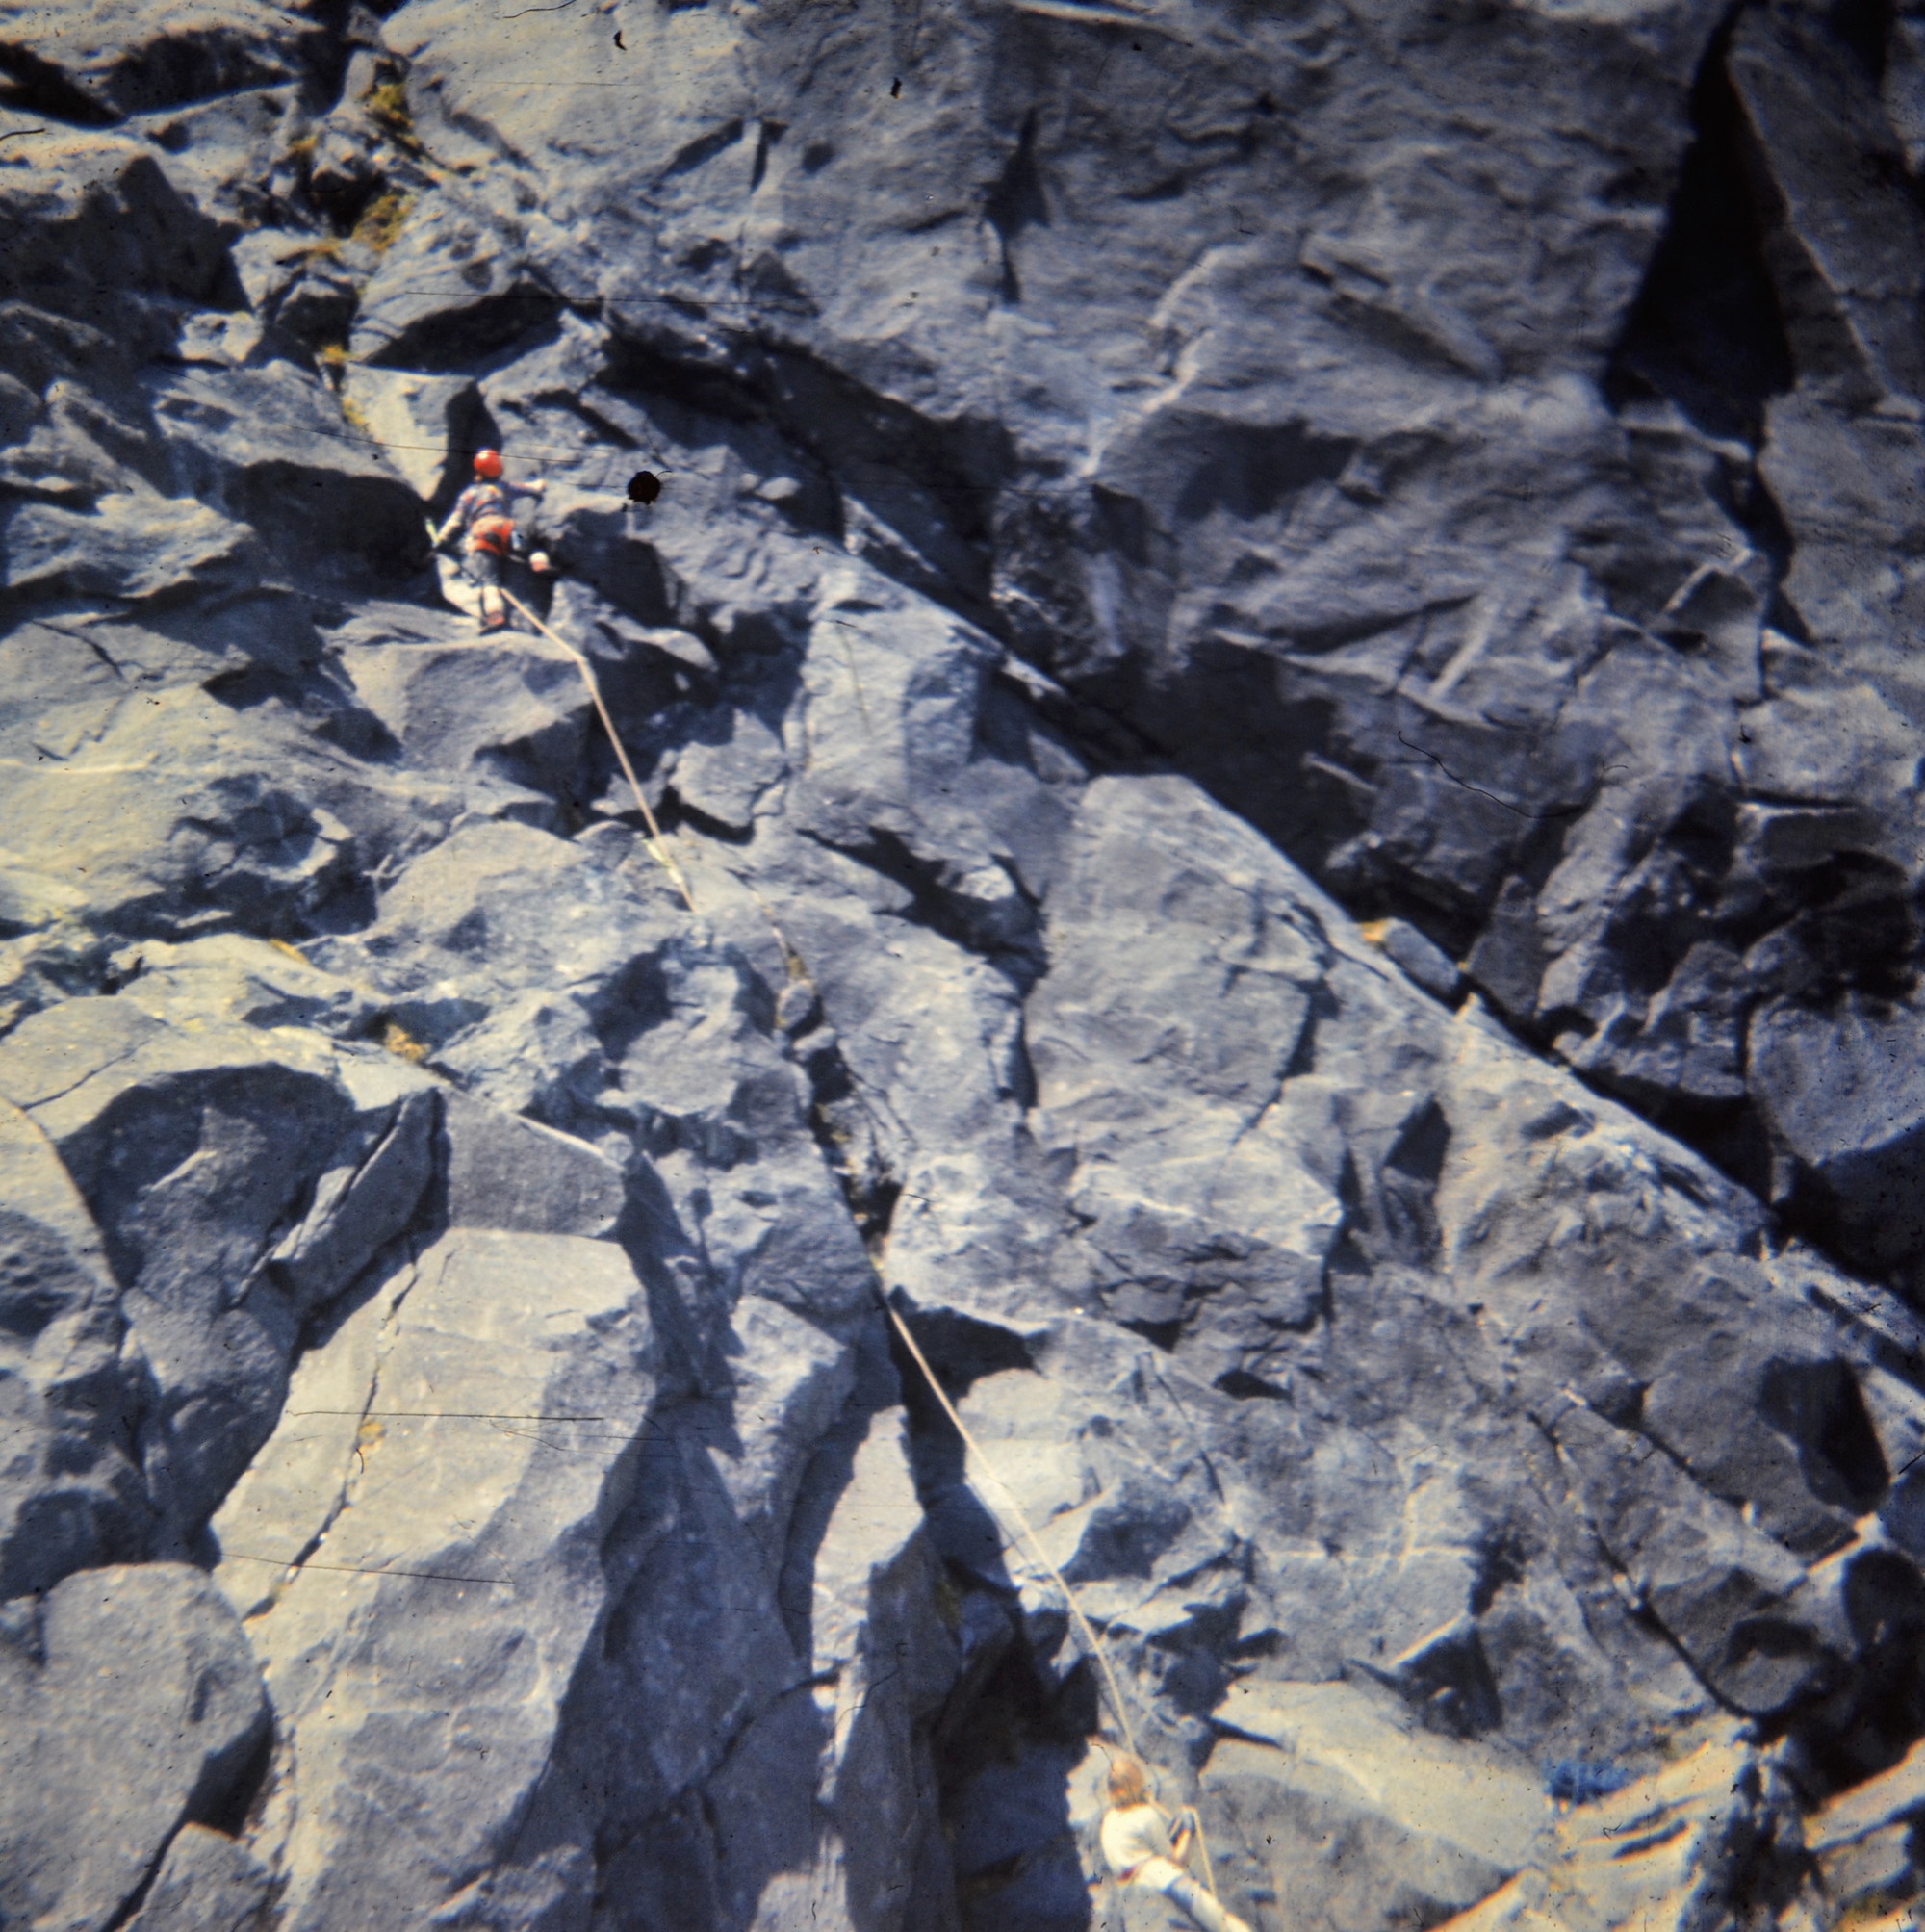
(1127, 1784)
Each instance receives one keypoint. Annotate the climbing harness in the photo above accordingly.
(492, 533)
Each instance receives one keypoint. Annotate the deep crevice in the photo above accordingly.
(1707, 329)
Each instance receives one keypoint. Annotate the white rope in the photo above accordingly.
(658, 850)
(656, 844)
(1022, 1522)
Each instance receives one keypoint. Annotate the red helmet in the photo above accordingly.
(488, 464)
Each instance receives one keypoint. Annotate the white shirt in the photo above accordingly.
(1133, 1834)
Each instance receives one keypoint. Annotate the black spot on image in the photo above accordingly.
(896, 88)
(644, 487)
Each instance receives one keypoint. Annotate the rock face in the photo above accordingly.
(1665, 1849)
(1069, 508)
(133, 1704)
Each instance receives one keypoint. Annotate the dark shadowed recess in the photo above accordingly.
(1707, 331)
(1013, 1723)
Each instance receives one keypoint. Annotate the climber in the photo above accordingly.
(482, 514)
(1138, 1847)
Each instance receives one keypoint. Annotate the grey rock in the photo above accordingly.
(1438, 1180)
(1162, 1242)
(1844, 247)
(1426, 964)
(248, 982)
(132, 1703)
(186, 829)
(850, 1858)
(72, 1498)
(97, 219)
(659, 1047)
(420, 1588)
(268, 263)
(295, 281)
(503, 1171)
(452, 278)
(1662, 1850)
(515, 714)
(341, 170)
(130, 545)
(1863, 1838)
(118, 61)
(1361, 1817)
(420, 421)
(207, 1882)
(1101, 449)
(1709, 1579)
(1027, 1815)
(196, 1144)
(272, 444)
(791, 1382)
(1278, 565)
(729, 1137)
(362, 1202)
(499, 907)
(1843, 1096)
(1862, 1841)
(1872, 1871)
(538, 1054)
(225, 151)
(729, 763)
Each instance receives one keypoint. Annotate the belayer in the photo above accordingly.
(483, 518)
(1139, 1850)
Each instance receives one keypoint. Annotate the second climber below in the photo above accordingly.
(1138, 1849)
(483, 516)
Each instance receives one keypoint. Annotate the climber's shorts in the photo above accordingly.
(482, 566)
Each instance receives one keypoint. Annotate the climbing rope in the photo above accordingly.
(1085, 1629)
(656, 843)
(798, 967)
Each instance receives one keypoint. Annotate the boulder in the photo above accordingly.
(72, 1497)
(132, 1703)
(213, 1155)
(419, 1554)
(1365, 1820)
(207, 1882)
(109, 59)
(421, 421)
(1863, 1839)
(1660, 1850)
(509, 715)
